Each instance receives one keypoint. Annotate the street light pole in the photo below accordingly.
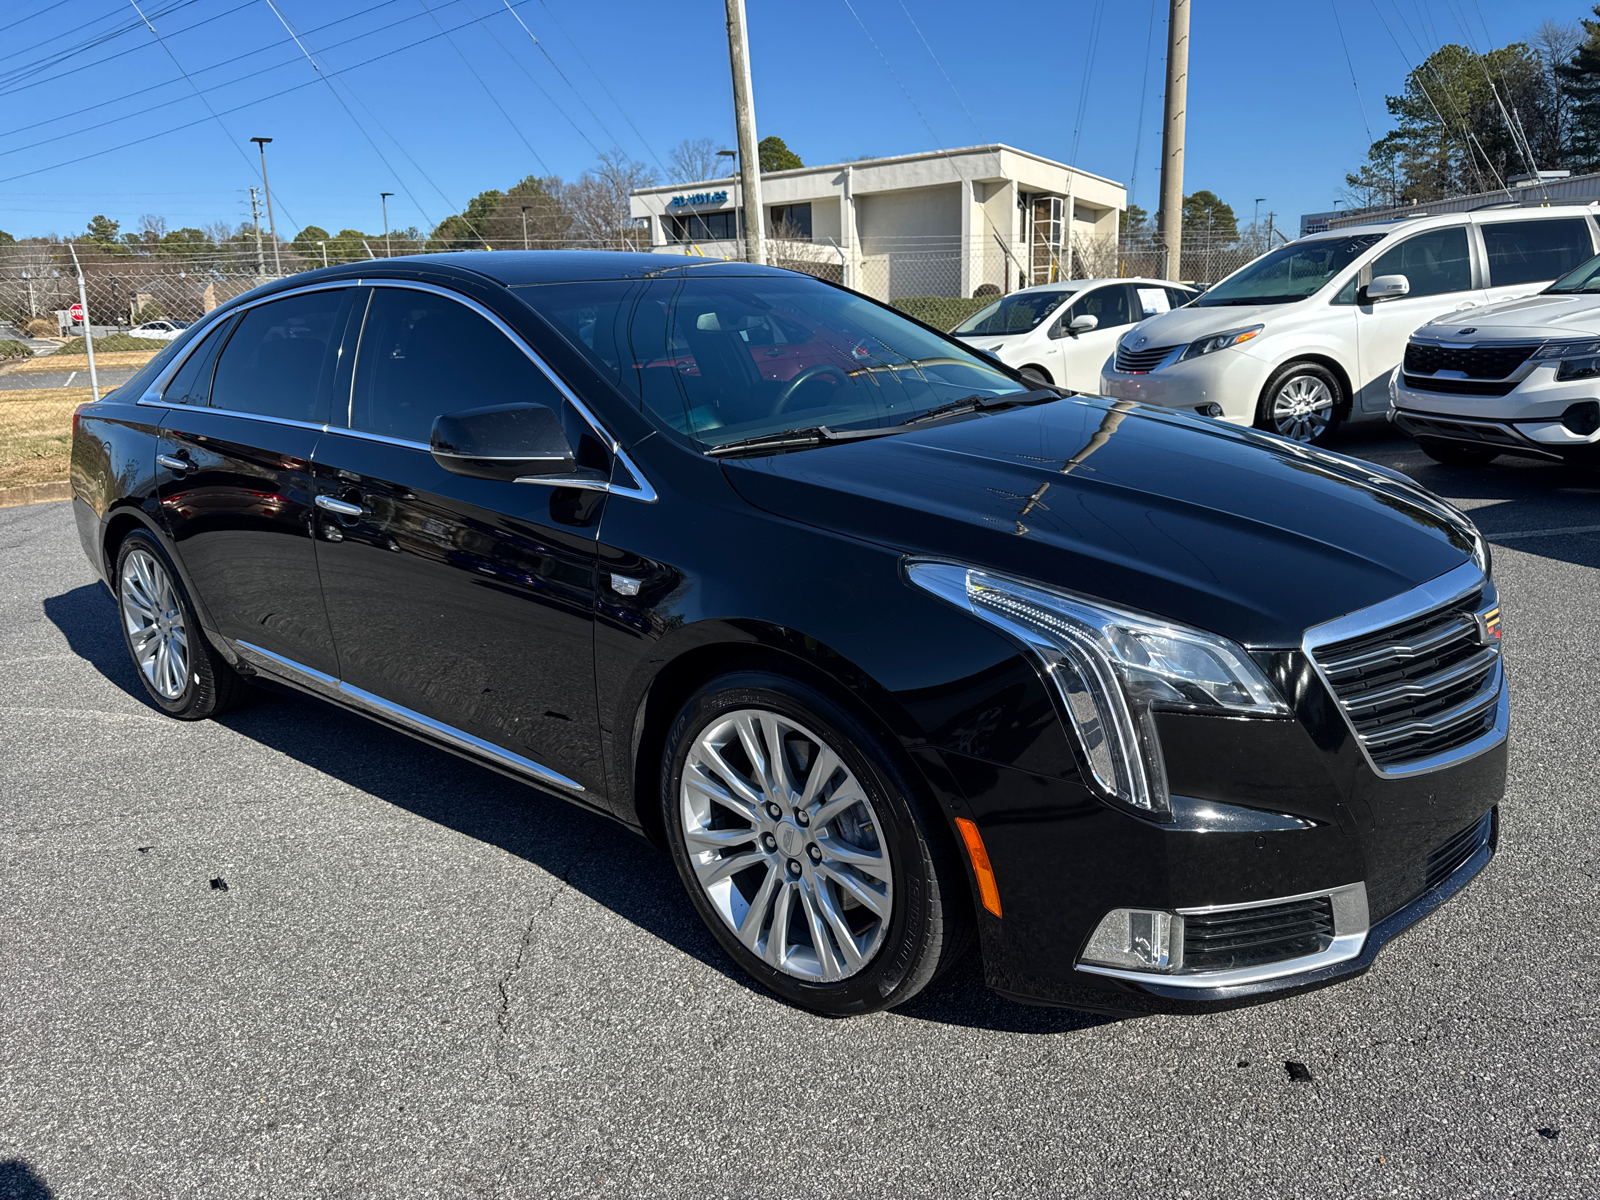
(88, 327)
(272, 226)
(324, 246)
(525, 245)
(384, 197)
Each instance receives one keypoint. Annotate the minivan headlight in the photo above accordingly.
(1111, 669)
(1220, 341)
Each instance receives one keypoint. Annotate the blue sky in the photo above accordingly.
(1272, 109)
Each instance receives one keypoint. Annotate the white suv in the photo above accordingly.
(1520, 377)
(1307, 335)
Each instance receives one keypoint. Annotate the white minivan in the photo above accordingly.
(1062, 333)
(1306, 336)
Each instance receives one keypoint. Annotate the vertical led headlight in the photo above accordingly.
(1111, 669)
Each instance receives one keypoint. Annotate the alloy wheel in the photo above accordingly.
(1302, 408)
(785, 845)
(154, 620)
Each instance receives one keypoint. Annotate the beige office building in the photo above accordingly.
(944, 223)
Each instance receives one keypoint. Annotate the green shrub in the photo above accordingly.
(942, 312)
(11, 349)
(112, 341)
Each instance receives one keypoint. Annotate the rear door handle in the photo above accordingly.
(340, 508)
(173, 464)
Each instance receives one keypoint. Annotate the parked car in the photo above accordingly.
(1062, 333)
(1305, 337)
(1519, 379)
(889, 654)
(156, 331)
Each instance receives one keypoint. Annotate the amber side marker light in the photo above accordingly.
(987, 889)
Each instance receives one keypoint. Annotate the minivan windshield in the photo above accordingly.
(1289, 273)
(724, 359)
(1585, 278)
(1016, 313)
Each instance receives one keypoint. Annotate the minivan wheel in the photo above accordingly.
(1457, 456)
(808, 852)
(1036, 376)
(1302, 402)
(179, 669)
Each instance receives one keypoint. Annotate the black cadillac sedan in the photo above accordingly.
(890, 649)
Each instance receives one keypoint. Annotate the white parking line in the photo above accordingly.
(70, 378)
(1533, 533)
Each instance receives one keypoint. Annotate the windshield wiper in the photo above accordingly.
(794, 439)
(981, 403)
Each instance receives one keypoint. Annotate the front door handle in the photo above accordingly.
(340, 508)
(173, 464)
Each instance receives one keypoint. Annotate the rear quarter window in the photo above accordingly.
(1535, 251)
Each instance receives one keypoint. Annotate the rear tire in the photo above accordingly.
(1457, 456)
(1303, 402)
(850, 898)
(181, 671)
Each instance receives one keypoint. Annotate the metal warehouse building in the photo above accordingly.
(943, 223)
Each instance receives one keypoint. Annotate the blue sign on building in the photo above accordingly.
(699, 198)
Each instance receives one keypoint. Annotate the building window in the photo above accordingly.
(791, 221)
(702, 227)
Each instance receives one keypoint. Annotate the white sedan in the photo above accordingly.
(1062, 333)
(156, 331)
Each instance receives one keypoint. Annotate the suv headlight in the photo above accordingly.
(1220, 341)
(1111, 669)
(1574, 360)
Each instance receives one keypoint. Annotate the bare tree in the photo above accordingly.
(1555, 42)
(598, 202)
(693, 161)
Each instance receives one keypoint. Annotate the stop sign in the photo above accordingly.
(76, 313)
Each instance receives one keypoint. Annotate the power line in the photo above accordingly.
(1144, 93)
(942, 71)
(60, 56)
(1339, 25)
(518, 63)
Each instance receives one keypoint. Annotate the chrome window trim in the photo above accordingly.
(326, 684)
(1448, 588)
(1351, 922)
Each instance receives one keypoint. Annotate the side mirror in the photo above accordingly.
(504, 441)
(1386, 287)
(1083, 324)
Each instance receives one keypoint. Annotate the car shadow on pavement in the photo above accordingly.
(19, 1181)
(592, 854)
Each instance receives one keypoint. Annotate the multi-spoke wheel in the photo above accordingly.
(177, 666)
(1302, 402)
(806, 848)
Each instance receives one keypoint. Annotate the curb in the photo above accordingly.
(35, 493)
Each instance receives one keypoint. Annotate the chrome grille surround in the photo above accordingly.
(1418, 683)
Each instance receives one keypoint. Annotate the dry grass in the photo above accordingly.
(36, 434)
(80, 362)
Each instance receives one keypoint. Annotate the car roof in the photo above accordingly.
(1075, 285)
(517, 268)
(1491, 212)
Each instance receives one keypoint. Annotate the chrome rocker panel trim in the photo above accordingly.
(325, 684)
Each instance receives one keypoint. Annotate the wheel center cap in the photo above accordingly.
(790, 840)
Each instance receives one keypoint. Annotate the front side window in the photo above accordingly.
(1290, 272)
(1586, 279)
(1016, 313)
(423, 354)
(1528, 251)
(1108, 305)
(693, 354)
(1434, 262)
(272, 365)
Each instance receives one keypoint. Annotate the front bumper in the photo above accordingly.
(1540, 438)
(1230, 379)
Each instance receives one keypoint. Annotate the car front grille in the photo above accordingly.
(1420, 687)
(1247, 937)
(1460, 387)
(1141, 362)
(1478, 362)
(1449, 856)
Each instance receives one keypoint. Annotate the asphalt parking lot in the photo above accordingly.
(421, 979)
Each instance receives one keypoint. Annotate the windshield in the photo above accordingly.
(1288, 273)
(1016, 313)
(1581, 279)
(723, 359)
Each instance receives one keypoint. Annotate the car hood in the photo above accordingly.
(1230, 530)
(1536, 318)
(1184, 325)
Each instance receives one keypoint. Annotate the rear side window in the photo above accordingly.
(272, 365)
(192, 384)
(1535, 251)
(422, 354)
(1434, 262)
(1179, 297)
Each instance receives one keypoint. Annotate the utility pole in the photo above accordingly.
(255, 215)
(744, 118)
(525, 245)
(383, 197)
(88, 326)
(1170, 219)
(272, 226)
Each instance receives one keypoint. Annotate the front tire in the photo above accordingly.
(1037, 376)
(1303, 402)
(183, 674)
(806, 848)
(1457, 456)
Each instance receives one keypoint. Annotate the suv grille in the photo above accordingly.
(1479, 362)
(1420, 687)
(1246, 937)
(1460, 387)
(1448, 857)
(1141, 362)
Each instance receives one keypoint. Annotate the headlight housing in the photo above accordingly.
(1575, 349)
(1220, 341)
(1111, 669)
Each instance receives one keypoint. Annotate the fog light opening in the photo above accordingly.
(1582, 418)
(1208, 410)
(1137, 939)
